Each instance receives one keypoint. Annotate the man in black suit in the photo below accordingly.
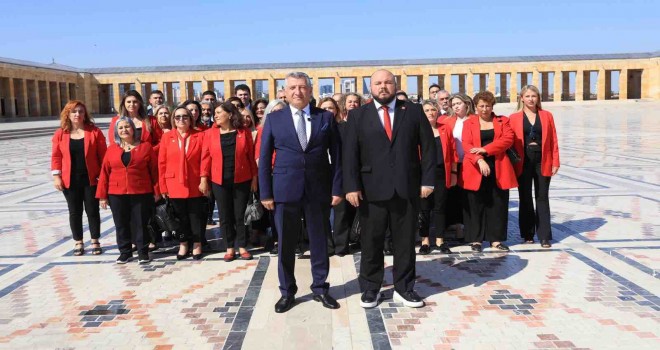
(384, 176)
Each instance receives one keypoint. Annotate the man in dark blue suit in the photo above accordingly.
(303, 181)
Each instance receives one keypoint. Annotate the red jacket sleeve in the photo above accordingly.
(102, 186)
(469, 143)
(162, 164)
(502, 143)
(251, 156)
(56, 153)
(205, 171)
(555, 143)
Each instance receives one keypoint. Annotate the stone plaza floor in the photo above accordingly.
(596, 288)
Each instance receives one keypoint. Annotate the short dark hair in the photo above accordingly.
(485, 96)
(434, 85)
(401, 93)
(157, 92)
(234, 98)
(242, 87)
(210, 92)
(236, 118)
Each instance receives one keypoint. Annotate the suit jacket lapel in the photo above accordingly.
(372, 113)
(316, 126)
(288, 124)
(400, 111)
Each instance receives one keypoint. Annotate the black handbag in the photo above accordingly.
(164, 217)
(514, 157)
(254, 210)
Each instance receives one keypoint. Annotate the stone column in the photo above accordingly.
(35, 109)
(461, 83)
(623, 84)
(579, 85)
(138, 88)
(557, 86)
(482, 82)
(359, 85)
(337, 83)
(491, 84)
(10, 98)
(601, 86)
(116, 97)
(446, 82)
(273, 87)
(229, 91)
(441, 82)
(183, 90)
(470, 84)
(45, 94)
(403, 84)
(504, 92)
(545, 85)
(566, 85)
(24, 101)
(250, 84)
(513, 94)
(535, 77)
(523, 80)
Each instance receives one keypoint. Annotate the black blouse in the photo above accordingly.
(487, 137)
(126, 158)
(438, 148)
(228, 144)
(77, 151)
(532, 132)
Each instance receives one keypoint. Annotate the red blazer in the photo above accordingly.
(139, 177)
(549, 144)
(152, 137)
(505, 175)
(257, 145)
(95, 147)
(449, 154)
(173, 180)
(245, 167)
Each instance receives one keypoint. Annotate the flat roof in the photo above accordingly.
(329, 64)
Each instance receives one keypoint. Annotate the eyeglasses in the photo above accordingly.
(181, 117)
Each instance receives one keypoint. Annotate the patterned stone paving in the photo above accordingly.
(598, 287)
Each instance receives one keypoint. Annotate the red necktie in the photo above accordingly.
(386, 122)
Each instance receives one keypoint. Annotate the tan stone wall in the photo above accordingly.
(86, 84)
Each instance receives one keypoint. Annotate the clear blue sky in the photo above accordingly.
(146, 33)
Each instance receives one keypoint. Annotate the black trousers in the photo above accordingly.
(81, 195)
(401, 216)
(489, 212)
(232, 200)
(457, 210)
(211, 206)
(191, 213)
(435, 205)
(290, 227)
(131, 214)
(338, 241)
(531, 221)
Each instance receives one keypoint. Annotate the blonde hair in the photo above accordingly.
(523, 91)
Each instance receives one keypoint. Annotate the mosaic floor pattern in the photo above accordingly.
(598, 287)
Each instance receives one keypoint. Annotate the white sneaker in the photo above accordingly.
(411, 299)
(369, 299)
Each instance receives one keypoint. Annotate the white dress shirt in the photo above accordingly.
(308, 119)
(391, 109)
(458, 137)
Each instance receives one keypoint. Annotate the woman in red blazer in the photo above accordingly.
(433, 207)
(462, 109)
(129, 183)
(195, 109)
(179, 166)
(487, 174)
(535, 139)
(77, 153)
(228, 158)
(146, 127)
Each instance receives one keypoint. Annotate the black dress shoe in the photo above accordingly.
(327, 301)
(501, 247)
(369, 299)
(210, 221)
(444, 249)
(476, 248)
(409, 299)
(545, 243)
(424, 249)
(284, 304)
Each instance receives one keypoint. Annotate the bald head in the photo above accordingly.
(383, 86)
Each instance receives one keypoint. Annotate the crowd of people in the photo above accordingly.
(400, 170)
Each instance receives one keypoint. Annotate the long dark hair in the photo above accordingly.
(142, 112)
(198, 122)
(235, 117)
